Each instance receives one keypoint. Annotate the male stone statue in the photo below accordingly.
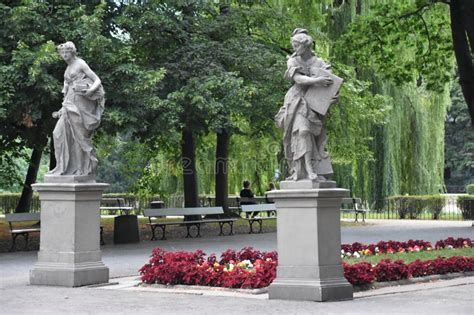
(302, 115)
(79, 116)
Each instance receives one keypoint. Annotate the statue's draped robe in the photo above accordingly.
(303, 130)
(74, 152)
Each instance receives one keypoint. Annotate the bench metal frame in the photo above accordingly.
(196, 211)
(355, 203)
(24, 232)
(252, 211)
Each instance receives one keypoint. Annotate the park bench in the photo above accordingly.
(201, 212)
(13, 218)
(126, 228)
(252, 214)
(114, 205)
(354, 205)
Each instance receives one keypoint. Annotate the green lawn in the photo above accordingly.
(410, 257)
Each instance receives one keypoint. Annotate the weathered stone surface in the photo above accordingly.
(303, 112)
(307, 184)
(309, 244)
(79, 116)
(70, 235)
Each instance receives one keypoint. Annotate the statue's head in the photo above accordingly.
(67, 50)
(301, 41)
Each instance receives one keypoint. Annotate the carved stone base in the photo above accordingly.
(309, 245)
(306, 184)
(337, 289)
(70, 234)
(69, 275)
(49, 178)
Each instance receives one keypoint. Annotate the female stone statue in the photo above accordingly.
(304, 136)
(79, 116)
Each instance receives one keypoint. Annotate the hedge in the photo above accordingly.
(466, 204)
(412, 207)
(8, 201)
(470, 189)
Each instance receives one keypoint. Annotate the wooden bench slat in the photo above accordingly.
(116, 208)
(179, 212)
(193, 222)
(22, 217)
(259, 207)
(182, 211)
(16, 231)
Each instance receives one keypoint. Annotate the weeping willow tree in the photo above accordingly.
(402, 57)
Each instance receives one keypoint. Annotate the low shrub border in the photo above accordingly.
(412, 206)
(357, 249)
(245, 269)
(252, 269)
(364, 273)
(466, 204)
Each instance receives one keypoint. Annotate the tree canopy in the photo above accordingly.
(192, 88)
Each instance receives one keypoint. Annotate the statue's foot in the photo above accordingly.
(313, 176)
(292, 177)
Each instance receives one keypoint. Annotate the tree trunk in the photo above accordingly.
(52, 156)
(25, 200)
(188, 160)
(462, 28)
(221, 170)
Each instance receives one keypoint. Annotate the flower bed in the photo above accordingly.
(245, 269)
(388, 270)
(251, 269)
(357, 249)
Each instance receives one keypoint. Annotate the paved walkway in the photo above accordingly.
(125, 260)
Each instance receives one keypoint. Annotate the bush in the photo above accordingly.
(470, 189)
(434, 205)
(359, 273)
(412, 207)
(9, 201)
(466, 204)
(387, 270)
(452, 242)
(247, 268)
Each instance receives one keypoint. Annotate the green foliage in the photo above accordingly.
(170, 65)
(411, 207)
(470, 189)
(32, 72)
(404, 40)
(466, 204)
(406, 146)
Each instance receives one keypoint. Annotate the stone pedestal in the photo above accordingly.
(70, 233)
(309, 243)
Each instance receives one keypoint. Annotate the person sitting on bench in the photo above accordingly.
(246, 194)
(271, 187)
